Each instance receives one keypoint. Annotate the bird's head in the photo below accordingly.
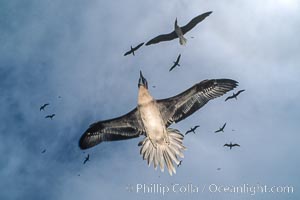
(142, 81)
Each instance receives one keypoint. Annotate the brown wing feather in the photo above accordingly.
(179, 107)
(124, 127)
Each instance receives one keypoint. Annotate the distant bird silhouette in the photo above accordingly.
(50, 116)
(221, 129)
(231, 145)
(153, 86)
(44, 151)
(44, 106)
(218, 168)
(59, 97)
(192, 130)
(86, 159)
(176, 63)
(133, 49)
(179, 31)
(78, 175)
(234, 95)
(180, 162)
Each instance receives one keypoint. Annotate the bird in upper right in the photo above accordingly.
(179, 31)
(221, 129)
(176, 63)
(234, 95)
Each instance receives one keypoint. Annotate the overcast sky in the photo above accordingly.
(70, 54)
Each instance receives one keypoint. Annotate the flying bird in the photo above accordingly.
(234, 95)
(151, 118)
(86, 159)
(192, 130)
(179, 31)
(44, 106)
(180, 162)
(221, 129)
(133, 49)
(44, 151)
(231, 145)
(176, 63)
(50, 116)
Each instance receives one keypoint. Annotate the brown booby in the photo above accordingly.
(162, 145)
(176, 63)
(133, 49)
(221, 129)
(231, 145)
(179, 31)
(234, 95)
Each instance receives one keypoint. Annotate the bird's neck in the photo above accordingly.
(144, 96)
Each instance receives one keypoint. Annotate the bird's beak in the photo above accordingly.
(143, 81)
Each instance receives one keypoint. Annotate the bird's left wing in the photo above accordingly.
(179, 107)
(161, 38)
(124, 127)
(128, 52)
(194, 22)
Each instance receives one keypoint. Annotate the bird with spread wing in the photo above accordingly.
(179, 31)
(151, 118)
(133, 49)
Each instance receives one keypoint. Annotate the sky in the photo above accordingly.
(70, 54)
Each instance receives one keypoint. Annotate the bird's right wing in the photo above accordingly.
(124, 127)
(161, 38)
(128, 52)
(194, 22)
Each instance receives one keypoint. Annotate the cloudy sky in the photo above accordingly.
(70, 54)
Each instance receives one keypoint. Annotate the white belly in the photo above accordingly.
(153, 123)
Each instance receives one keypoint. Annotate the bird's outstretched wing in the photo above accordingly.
(236, 145)
(179, 107)
(161, 38)
(138, 46)
(240, 91)
(217, 131)
(188, 132)
(128, 52)
(223, 126)
(124, 127)
(194, 22)
(178, 58)
(230, 97)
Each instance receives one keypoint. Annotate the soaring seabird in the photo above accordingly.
(44, 106)
(162, 145)
(176, 63)
(133, 49)
(231, 145)
(179, 31)
(221, 129)
(234, 95)
(86, 159)
(50, 116)
(192, 130)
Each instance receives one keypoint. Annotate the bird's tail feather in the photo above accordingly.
(165, 153)
(182, 40)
